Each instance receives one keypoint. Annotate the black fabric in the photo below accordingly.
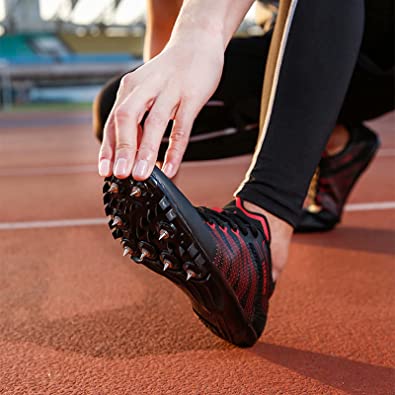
(319, 59)
(378, 38)
(371, 91)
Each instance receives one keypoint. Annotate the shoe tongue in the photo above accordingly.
(237, 205)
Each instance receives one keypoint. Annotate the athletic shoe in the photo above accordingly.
(334, 180)
(219, 258)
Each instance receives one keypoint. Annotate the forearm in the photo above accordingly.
(218, 19)
(161, 16)
(173, 85)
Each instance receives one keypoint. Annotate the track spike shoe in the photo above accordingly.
(220, 259)
(334, 179)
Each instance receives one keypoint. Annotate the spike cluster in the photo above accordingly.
(146, 224)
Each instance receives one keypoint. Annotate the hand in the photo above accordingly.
(174, 85)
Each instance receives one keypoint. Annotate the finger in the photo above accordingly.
(179, 138)
(106, 153)
(155, 125)
(127, 117)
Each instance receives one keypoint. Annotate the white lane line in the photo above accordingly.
(370, 206)
(80, 169)
(217, 133)
(355, 207)
(386, 152)
(47, 171)
(66, 223)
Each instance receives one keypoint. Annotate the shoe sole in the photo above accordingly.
(158, 205)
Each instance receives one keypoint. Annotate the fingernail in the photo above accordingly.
(104, 167)
(120, 167)
(140, 169)
(168, 169)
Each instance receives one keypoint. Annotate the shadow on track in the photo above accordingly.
(344, 374)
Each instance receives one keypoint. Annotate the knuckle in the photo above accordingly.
(176, 152)
(175, 155)
(121, 113)
(105, 155)
(187, 96)
(156, 119)
(148, 150)
(125, 146)
(179, 136)
(109, 123)
(126, 80)
(105, 149)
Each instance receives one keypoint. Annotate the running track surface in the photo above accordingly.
(77, 318)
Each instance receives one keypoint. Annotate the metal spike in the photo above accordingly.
(114, 188)
(144, 253)
(127, 251)
(190, 274)
(136, 191)
(117, 221)
(167, 264)
(163, 234)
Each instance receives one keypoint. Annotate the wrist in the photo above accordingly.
(198, 36)
(193, 24)
(217, 20)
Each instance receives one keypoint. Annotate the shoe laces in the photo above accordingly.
(229, 218)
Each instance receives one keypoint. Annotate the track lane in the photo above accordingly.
(77, 317)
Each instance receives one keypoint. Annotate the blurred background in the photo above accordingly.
(57, 53)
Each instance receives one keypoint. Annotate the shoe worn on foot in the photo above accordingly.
(334, 180)
(220, 259)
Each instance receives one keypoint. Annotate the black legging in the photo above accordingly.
(319, 56)
(320, 53)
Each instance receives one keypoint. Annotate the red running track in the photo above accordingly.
(77, 318)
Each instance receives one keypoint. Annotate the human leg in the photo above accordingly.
(352, 146)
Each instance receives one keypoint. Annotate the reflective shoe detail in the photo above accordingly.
(220, 259)
(334, 180)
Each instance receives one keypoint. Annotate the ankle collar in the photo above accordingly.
(258, 217)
